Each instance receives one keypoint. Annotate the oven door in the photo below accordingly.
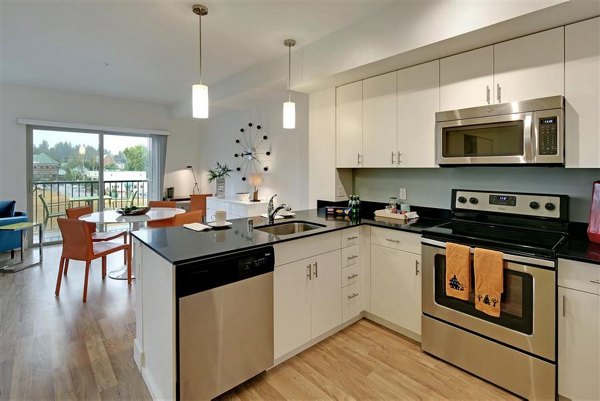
(527, 317)
(504, 139)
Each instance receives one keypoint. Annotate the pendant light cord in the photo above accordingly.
(200, 43)
(289, 73)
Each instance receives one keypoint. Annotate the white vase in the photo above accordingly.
(221, 188)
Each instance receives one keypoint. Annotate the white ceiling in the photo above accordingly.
(148, 50)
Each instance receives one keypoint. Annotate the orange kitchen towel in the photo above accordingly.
(458, 271)
(489, 280)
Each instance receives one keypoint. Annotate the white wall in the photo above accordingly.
(288, 163)
(183, 149)
(53, 105)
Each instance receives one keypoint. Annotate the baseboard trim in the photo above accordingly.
(392, 326)
(138, 354)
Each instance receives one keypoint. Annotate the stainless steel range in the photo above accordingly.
(517, 350)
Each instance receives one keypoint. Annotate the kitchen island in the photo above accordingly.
(335, 271)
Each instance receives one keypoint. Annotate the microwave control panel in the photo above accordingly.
(548, 136)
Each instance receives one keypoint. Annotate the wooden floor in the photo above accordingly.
(59, 348)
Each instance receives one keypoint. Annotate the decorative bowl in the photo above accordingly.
(133, 211)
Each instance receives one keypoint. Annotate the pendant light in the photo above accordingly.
(199, 90)
(289, 107)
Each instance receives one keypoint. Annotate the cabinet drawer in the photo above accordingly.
(350, 275)
(396, 240)
(351, 301)
(350, 256)
(350, 237)
(579, 276)
(291, 251)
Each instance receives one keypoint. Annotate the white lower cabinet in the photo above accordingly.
(396, 287)
(578, 331)
(307, 300)
(326, 293)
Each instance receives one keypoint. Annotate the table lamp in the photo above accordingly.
(256, 180)
(196, 188)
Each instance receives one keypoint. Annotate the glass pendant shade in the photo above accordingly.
(289, 115)
(200, 101)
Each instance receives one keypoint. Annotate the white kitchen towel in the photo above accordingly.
(196, 226)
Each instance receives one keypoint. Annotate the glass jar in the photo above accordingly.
(393, 204)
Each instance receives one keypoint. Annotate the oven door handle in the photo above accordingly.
(507, 257)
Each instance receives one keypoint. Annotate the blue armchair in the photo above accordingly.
(9, 240)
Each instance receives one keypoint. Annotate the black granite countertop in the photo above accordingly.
(578, 246)
(179, 245)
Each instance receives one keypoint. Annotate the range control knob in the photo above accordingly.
(550, 206)
(462, 199)
(534, 205)
(474, 201)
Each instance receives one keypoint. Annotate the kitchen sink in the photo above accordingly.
(289, 228)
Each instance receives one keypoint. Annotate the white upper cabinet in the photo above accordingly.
(467, 79)
(530, 67)
(582, 94)
(379, 121)
(418, 101)
(349, 123)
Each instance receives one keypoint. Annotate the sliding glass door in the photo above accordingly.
(126, 170)
(96, 169)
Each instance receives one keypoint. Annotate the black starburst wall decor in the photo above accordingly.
(255, 148)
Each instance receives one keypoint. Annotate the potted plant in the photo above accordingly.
(219, 174)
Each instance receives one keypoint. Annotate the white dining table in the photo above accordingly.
(133, 222)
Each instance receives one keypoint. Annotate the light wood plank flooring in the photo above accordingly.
(59, 348)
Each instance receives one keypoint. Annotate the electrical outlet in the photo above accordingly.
(402, 194)
(340, 191)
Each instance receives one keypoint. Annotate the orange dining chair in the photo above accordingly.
(78, 245)
(163, 222)
(198, 202)
(172, 204)
(189, 217)
(77, 212)
(160, 223)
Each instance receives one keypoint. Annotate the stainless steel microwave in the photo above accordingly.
(527, 132)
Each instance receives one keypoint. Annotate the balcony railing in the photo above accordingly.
(61, 195)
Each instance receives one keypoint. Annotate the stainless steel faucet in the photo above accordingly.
(272, 211)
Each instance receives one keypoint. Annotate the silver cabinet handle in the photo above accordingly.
(393, 158)
(393, 240)
(350, 277)
(399, 157)
(417, 268)
(316, 270)
(309, 274)
(499, 93)
(595, 281)
(358, 158)
(351, 238)
(564, 313)
(487, 94)
(351, 257)
(352, 296)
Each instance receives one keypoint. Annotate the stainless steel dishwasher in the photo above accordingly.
(225, 322)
